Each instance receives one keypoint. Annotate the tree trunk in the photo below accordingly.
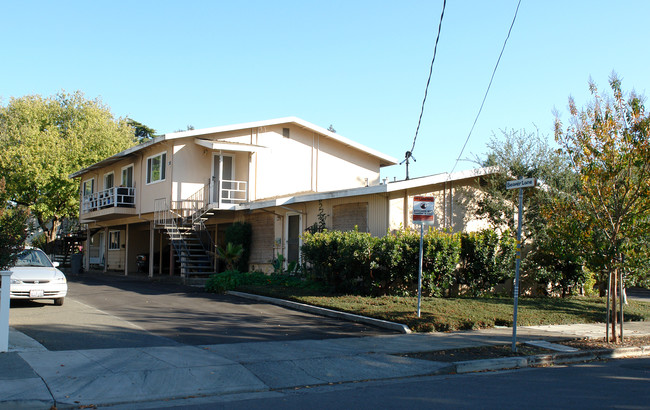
(51, 233)
(613, 299)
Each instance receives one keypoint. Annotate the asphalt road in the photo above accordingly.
(613, 384)
(111, 312)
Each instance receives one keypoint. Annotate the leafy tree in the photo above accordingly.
(13, 223)
(552, 255)
(608, 145)
(44, 140)
(142, 132)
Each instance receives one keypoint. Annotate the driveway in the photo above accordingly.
(111, 312)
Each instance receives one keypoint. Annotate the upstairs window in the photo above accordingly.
(156, 166)
(88, 187)
(109, 180)
(127, 176)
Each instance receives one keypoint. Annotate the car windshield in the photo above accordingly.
(32, 257)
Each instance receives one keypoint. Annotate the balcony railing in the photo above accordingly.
(233, 192)
(123, 197)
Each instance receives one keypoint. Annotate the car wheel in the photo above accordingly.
(58, 302)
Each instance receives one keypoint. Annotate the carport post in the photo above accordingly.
(4, 311)
(152, 232)
(126, 251)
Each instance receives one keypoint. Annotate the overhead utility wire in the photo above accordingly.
(488, 89)
(409, 154)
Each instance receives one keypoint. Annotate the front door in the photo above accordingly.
(222, 170)
(293, 238)
(96, 250)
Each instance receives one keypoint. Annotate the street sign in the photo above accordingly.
(521, 183)
(518, 184)
(423, 210)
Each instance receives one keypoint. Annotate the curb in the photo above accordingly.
(398, 327)
(506, 363)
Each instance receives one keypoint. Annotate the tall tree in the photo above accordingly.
(142, 132)
(551, 259)
(13, 229)
(44, 140)
(608, 145)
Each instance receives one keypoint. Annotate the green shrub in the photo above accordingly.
(235, 280)
(442, 254)
(241, 233)
(224, 281)
(355, 262)
(487, 259)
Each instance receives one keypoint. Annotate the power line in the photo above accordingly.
(488, 87)
(409, 154)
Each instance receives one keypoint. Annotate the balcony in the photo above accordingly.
(112, 201)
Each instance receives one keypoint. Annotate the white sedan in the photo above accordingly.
(34, 276)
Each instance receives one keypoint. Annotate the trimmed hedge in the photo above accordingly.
(356, 262)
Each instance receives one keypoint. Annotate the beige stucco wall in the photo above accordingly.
(304, 162)
(455, 203)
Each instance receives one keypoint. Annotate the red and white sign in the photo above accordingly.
(423, 210)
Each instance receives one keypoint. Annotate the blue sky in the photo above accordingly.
(361, 66)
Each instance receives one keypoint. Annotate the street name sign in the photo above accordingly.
(521, 183)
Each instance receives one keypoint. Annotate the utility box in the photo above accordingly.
(76, 261)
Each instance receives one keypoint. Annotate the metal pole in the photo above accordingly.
(518, 262)
(420, 270)
(620, 287)
(609, 288)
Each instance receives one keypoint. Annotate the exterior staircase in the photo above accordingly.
(188, 236)
(184, 223)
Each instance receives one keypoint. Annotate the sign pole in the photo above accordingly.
(423, 215)
(518, 263)
(420, 269)
(518, 184)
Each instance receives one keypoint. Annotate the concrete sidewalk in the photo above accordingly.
(33, 377)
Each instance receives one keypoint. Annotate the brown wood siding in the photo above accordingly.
(346, 216)
(263, 227)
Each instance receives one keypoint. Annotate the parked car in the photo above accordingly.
(34, 276)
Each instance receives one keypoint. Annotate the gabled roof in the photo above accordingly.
(384, 160)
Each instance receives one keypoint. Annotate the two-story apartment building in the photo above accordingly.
(168, 201)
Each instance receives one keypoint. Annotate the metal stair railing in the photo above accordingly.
(167, 217)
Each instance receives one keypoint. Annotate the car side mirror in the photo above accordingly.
(55, 264)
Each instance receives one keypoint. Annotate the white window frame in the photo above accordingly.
(106, 175)
(92, 187)
(112, 235)
(163, 169)
(122, 182)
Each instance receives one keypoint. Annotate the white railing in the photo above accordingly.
(162, 215)
(123, 197)
(232, 192)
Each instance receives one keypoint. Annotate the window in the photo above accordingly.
(88, 187)
(113, 240)
(127, 176)
(156, 168)
(109, 180)
(286, 132)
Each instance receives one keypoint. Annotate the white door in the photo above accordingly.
(97, 248)
(222, 169)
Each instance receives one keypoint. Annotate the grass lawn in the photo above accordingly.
(444, 314)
